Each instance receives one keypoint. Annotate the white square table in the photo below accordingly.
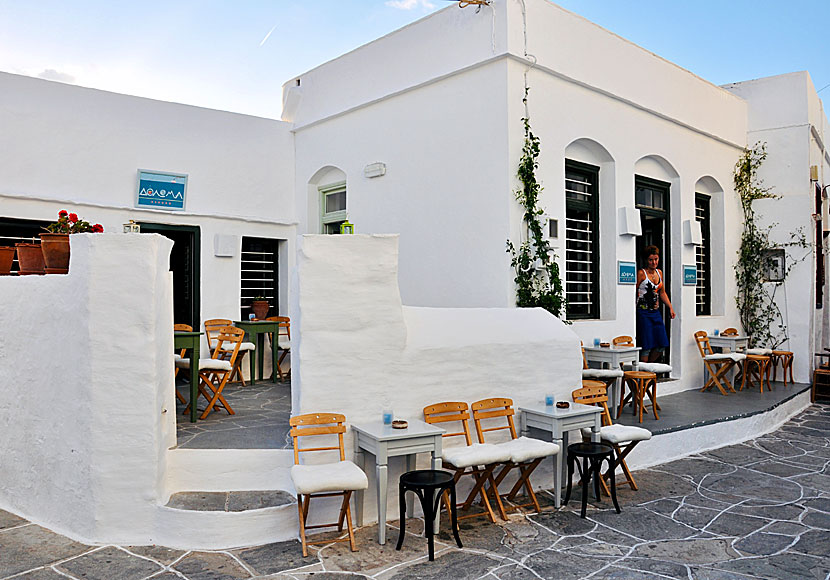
(614, 357)
(384, 442)
(733, 342)
(558, 422)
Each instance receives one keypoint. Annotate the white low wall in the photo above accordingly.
(87, 413)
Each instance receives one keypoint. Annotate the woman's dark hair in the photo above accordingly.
(650, 251)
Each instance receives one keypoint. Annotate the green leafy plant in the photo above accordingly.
(70, 223)
(760, 315)
(538, 283)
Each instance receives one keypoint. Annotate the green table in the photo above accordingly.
(191, 341)
(256, 330)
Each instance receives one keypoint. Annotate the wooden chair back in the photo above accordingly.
(594, 393)
(450, 411)
(182, 328)
(284, 325)
(702, 340)
(212, 328)
(228, 339)
(312, 424)
(492, 409)
(623, 340)
(730, 332)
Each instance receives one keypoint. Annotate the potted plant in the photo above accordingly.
(6, 259)
(55, 243)
(29, 259)
(260, 307)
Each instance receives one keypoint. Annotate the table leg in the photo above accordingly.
(360, 461)
(558, 472)
(382, 477)
(274, 352)
(595, 430)
(194, 379)
(260, 346)
(253, 355)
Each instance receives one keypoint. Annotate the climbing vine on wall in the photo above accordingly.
(537, 274)
(760, 315)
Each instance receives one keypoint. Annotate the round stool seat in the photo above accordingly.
(424, 483)
(592, 455)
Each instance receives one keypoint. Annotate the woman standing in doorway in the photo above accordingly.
(651, 332)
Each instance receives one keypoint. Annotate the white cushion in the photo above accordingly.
(759, 351)
(601, 373)
(657, 368)
(734, 356)
(475, 454)
(525, 448)
(205, 364)
(246, 346)
(176, 356)
(340, 476)
(284, 343)
(620, 433)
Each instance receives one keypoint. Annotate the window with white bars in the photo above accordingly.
(16, 231)
(581, 240)
(703, 291)
(258, 277)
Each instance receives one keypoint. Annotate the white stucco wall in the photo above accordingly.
(359, 351)
(69, 147)
(88, 413)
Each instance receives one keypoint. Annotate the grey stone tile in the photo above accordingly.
(748, 484)
(620, 573)
(41, 574)
(763, 544)
(249, 500)
(786, 528)
(695, 467)
(32, 546)
(816, 481)
(821, 504)
(729, 524)
(693, 551)
(108, 563)
(739, 454)
(696, 517)
(781, 567)
(671, 569)
(701, 573)
(564, 565)
(816, 543)
(276, 557)
(210, 566)
(9, 520)
(817, 520)
(203, 501)
(774, 512)
(645, 525)
(157, 553)
(779, 468)
(452, 564)
(564, 522)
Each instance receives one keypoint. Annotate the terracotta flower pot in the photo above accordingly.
(260, 308)
(6, 259)
(55, 249)
(30, 259)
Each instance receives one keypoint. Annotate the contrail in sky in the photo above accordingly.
(267, 35)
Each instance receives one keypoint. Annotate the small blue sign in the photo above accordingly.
(689, 275)
(161, 190)
(627, 273)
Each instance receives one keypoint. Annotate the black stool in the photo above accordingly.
(424, 483)
(595, 453)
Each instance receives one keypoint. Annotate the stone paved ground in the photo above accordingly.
(756, 510)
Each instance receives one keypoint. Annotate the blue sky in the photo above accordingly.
(236, 55)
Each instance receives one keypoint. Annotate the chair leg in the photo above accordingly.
(524, 481)
(349, 521)
(302, 513)
(402, 509)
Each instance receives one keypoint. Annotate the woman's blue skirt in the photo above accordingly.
(651, 332)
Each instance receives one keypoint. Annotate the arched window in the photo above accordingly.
(333, 206)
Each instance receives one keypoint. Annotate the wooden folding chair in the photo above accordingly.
(655, 367)
(475, 460)
(283, 344)
(730, 332)
(212, 327)
(331, 479)
(525, 453)
(621, 437)
(717, 365)
(180, 328)
(215, 372)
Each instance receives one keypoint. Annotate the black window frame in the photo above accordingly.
(703, 255)
(590, 174)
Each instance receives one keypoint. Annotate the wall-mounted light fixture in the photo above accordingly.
(692, 234)
(629, 222)
(377, 169)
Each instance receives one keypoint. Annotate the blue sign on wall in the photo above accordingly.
(161, 190)
(627, 272)
(689, 275)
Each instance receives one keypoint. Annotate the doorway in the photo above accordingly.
(184, 263)
(651, 197)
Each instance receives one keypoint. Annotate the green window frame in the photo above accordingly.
(332, 207)
(582, 269)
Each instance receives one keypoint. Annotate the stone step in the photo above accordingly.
(229, 501)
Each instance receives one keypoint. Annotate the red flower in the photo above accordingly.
(97, 229)
(73, 217)
(62, 213)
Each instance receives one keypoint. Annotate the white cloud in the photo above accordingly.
(410, 4)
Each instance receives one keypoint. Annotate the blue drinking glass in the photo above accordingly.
(387, 416)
